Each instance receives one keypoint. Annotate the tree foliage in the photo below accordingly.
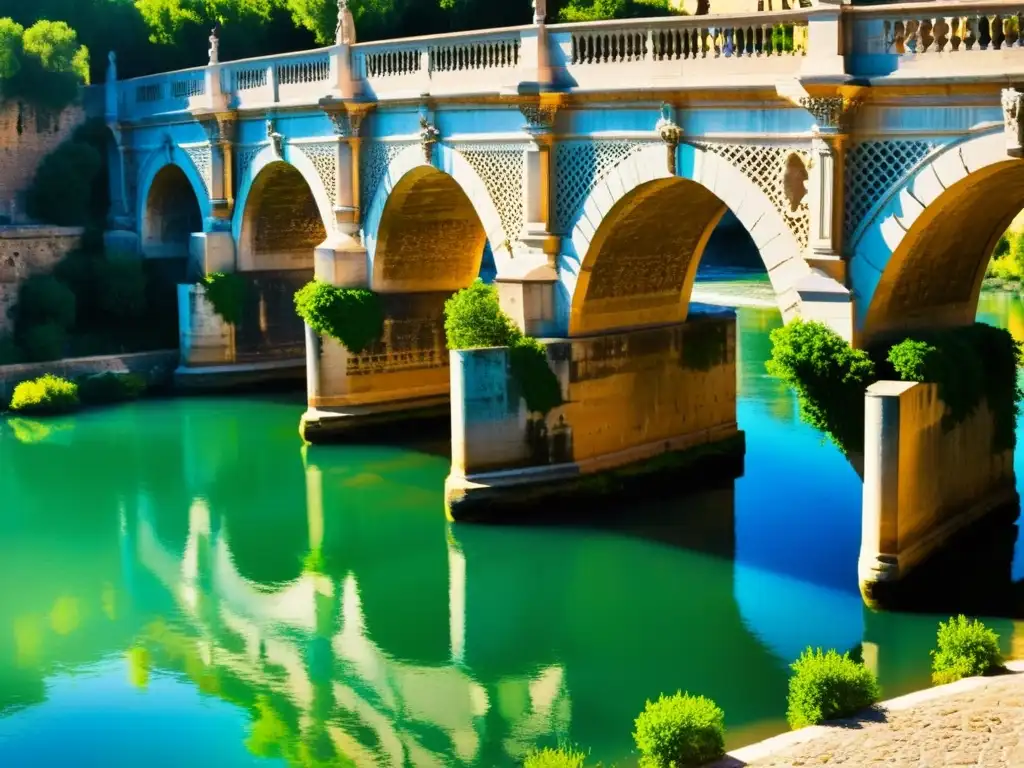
(43, 65)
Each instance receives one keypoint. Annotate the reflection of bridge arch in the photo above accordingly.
(919, 258)
(636, 239)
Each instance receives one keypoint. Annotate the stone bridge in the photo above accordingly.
(871, 153)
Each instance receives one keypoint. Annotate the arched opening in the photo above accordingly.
(641, 264)
(281, 225)
(934, 276)
(430, 236)
(172, 214)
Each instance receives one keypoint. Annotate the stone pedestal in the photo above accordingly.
(638, 405)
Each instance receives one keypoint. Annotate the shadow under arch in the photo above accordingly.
(430, 237)
(171, 214)
(281, 221)
(933, 278)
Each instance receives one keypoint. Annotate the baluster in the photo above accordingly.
(727, 42)
(940, 34)
(998, 34)
(971, 27)
(926, 37)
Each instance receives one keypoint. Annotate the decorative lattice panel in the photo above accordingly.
(501, 166)
(766, 166)
(324, 157)
(246, 156)
(581, 166)
(376, 157)
(875, 167)
(201, 158)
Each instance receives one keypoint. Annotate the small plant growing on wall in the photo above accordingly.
(48, 394)
(473, 319)
(226, 293)
(353, 316)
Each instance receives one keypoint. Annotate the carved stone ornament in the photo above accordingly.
(168, 143)
(794, 182)
(540, 11)
(347, 124)
(670, 133)
(345, 31)
(220, 131)
(1013, 105)
(429, 136)
(276, 139)
(829, 112)
(540, 118)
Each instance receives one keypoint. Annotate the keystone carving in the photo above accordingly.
(671, 134)
(1013, 105)
(429, 136)
(276, 140)
(829, 112)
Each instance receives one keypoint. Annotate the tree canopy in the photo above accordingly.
(43, 64)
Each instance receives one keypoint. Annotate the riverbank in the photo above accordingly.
(974, 722)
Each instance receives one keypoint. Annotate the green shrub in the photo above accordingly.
(563, 757)
(828, 376)
(44, 342)
(827, 686)
(120, 288)
(680, 730)
(44, 299)
(47, 394)
(965, 649)
(538, 385)
(110, 387)
(473, 319)
(226, 292)
(61, 191)
(353, 316)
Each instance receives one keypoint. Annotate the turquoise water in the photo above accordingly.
(184, 584)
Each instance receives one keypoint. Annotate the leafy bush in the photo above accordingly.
(829, 378)
(965, 649)
(43, 65)
(45, 342)
(47, 394)
(680, 730)
(61, 191)
(110, 387)
(827, 686)
(473, 319)
(121, 288)
(44, 299)
(353, 316)
(538, 385)
(597, 10)
(226, 292)
(563, 757)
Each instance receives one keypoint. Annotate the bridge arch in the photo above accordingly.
(634, 244)
(920, 259)
(282, 212)
(440, 215)
(172, 203)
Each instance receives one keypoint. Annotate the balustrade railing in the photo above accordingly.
(439, 55)
(914, 29)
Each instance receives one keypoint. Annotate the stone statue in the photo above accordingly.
(540, 11)
(345, 32)
(1013, 126)
(111, 67)
(214, 47)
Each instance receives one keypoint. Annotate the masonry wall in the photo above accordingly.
(27, 135)
(27, 251)
(629, 396)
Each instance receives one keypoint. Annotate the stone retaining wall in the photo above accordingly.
(156, 367)
(26, 251)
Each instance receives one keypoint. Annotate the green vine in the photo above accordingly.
(970, 365)
(473, 319)
(353, 316)
(226, 292)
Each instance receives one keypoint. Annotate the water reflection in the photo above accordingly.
(188, 580)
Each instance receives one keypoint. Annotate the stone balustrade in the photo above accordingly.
(914, 39)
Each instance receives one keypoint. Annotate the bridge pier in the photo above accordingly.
(639, 405)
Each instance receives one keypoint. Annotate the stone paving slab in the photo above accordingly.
(977, 722)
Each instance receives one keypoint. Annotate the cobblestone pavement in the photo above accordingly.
(982, 727)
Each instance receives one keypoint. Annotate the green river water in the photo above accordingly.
(184, 585)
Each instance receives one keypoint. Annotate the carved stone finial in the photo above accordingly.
(276, 139)
(670, 133)
(111, 67)
(345, 31)
(540, 11)
(429, 136)
(829, 112)
(1013, 106)
(215, 46)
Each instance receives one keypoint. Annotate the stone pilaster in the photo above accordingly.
(221, 130)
